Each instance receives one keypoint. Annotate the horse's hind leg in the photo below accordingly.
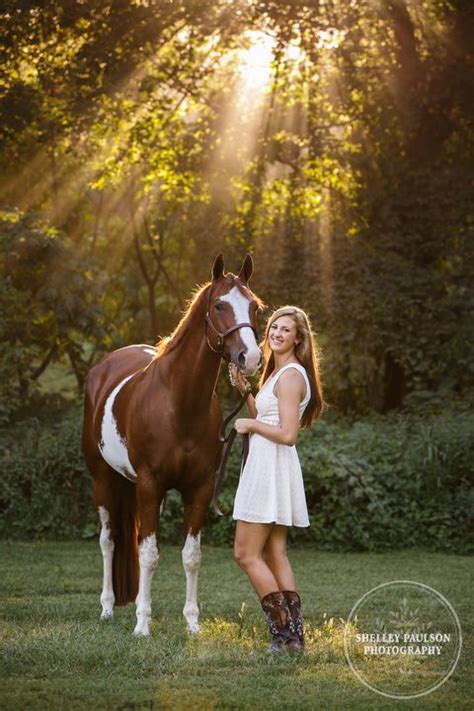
(107, 598)
(105, 494)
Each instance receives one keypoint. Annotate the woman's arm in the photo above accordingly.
(240, 383)
(291, 386)
(250, 402)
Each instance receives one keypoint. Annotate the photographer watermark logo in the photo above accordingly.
(402, 639)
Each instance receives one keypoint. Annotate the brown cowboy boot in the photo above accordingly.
(279, 621)
(294, 604)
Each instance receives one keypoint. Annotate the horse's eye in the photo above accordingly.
(218, 307)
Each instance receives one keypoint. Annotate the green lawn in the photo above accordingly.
(57, 654)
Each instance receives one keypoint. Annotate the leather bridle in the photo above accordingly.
(221, 336)
(228, 438)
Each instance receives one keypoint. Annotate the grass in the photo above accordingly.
(57, 654)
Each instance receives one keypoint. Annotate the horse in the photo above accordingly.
(151, 424)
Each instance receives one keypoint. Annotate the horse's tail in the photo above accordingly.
(125, 567)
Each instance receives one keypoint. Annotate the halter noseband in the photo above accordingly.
(221, 336)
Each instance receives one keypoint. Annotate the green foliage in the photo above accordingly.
(47, 490)
(386, 480)
(380, 483)
(146, 151)
(49, 306)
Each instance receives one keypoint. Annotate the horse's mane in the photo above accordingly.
(168, 343)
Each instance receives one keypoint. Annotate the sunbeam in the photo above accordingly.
(256, 63)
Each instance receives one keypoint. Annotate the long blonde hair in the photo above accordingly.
(308, 354)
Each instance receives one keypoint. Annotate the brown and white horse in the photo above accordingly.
(151, 423)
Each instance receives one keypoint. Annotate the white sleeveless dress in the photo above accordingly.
(271, 485)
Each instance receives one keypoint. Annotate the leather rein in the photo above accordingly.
(228, 438)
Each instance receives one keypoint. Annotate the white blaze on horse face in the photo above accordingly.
(113, 446)
(148, 557)
(107, 598)
(241, 305)
(191, 556)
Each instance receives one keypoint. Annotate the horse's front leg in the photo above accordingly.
(195, 508)
(149, 498)
(191, 556)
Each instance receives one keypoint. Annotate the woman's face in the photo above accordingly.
(282, 336)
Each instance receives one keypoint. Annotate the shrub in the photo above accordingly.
(383, 482)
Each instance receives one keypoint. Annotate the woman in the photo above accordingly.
(270, 496)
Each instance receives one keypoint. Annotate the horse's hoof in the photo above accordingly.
(141, 631)
(107, 615)
(193, 628)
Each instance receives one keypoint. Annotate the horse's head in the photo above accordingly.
(232, 316)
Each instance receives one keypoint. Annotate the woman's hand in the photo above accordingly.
(244, 425)
(237, 379)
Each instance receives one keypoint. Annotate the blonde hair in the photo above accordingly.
(308, 354)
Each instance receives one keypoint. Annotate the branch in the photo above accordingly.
(44, 363)
(138, 250)
(158, 257)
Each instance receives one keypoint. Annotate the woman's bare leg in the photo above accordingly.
(275, 556)
(250, 540)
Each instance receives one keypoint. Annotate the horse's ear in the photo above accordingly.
(218, 267)
(246, 270)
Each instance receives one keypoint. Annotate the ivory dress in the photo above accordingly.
(271, 485)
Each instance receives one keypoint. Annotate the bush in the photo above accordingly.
(383, 482)
(46, 489)
(391, 481)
